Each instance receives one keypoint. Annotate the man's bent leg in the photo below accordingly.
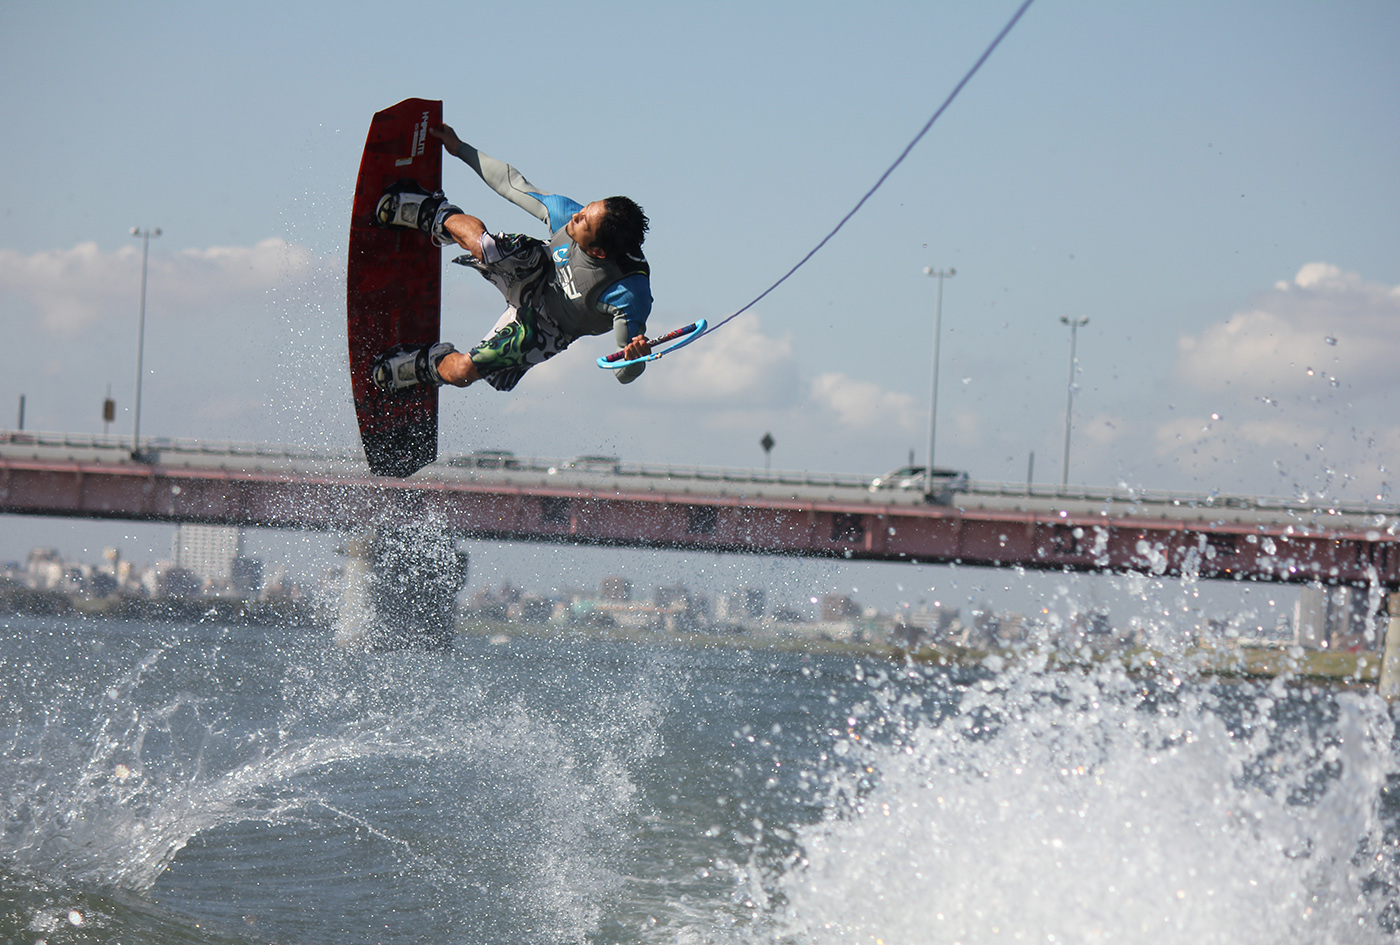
(521, 339)
(459, 369)
(518, 266)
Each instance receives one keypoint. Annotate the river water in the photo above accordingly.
(177, 783)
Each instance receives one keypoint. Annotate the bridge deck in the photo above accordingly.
(600, 501)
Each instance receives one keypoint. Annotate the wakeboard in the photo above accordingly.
(393, 289)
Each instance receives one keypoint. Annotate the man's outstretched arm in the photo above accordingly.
(551, 209)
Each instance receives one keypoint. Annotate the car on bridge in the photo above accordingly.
(486, 459)
(939, 488)
(597, 464)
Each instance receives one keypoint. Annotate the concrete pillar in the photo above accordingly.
(417, 573)
(1389, 685)
(355, 619)
(401, 585)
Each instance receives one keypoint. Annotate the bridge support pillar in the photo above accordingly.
(1389, 685)
(355, 619)
(401, 589)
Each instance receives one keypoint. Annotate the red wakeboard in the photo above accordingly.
(393, 289)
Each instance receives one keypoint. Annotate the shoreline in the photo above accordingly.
(1358, 669)
(1298, 666)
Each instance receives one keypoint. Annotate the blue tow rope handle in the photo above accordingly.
(686, 335)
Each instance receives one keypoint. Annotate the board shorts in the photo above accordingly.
(520, 267)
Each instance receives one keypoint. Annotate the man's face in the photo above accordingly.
(583, 227)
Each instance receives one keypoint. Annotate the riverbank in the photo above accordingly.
(16, 598)
(1293, 663)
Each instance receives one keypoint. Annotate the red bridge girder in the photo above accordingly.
(868, 531)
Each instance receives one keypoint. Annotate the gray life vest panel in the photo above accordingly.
(571, 296)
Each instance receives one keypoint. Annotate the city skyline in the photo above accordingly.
(1320, 618)
(1170, 606)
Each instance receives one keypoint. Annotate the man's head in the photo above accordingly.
(609, 229)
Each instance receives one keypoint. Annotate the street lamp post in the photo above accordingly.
(146, 236)
(940, 275)
(1074, 325)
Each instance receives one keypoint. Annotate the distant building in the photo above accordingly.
(934, 625)
(1336, 618)
(836, 607)
(747, 603)
(207, 551)
(1094, 627)
(532, 608)
(245, 576)
(1012, 628)
(616, 589)
(122, 571)
(179, 582)
(45, 567)
(691, 608)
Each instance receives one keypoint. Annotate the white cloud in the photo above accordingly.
(863, 405)
(1296, 393)
(1223, 437)
(735, 366)
(969, 429)
(73, 289)
(1315, 273)
(1325, 328)
(1104, 429)
(1283, 455)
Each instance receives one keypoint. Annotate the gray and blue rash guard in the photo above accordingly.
(587, 296)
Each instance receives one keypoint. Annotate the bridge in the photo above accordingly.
(604, 501)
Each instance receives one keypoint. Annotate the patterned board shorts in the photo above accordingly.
(524, 336)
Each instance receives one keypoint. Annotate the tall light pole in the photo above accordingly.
(1074, 325)
(940, 275)
(146, 236)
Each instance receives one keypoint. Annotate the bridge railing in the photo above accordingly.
(1190, 500)
(490, 463)
(163, 444)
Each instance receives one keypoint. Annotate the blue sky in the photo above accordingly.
(1212, 185)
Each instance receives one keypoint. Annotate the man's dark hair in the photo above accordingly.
(622, 228)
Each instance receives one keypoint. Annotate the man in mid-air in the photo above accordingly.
(589, 278)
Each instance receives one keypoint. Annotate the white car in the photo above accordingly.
(597, 464)
(486, 459)
(943, 484)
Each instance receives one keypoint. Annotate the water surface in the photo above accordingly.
(170, 783)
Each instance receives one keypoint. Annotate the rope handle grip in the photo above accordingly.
(686, 334)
